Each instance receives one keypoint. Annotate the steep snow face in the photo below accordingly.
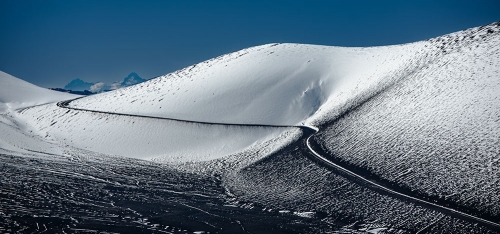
(16, 93)
(275, 84)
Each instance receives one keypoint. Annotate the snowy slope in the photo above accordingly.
(422, 119)
(51, 129)
(16, 137)
(437, 131)
(16, 93)
(275, 84)
(19, 139)
(280, 84)
(144, 138)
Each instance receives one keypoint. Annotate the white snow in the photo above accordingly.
(16, 93)
(437, 131)
(16, 137)
(144, 138)
(274, 84)
(424, 116)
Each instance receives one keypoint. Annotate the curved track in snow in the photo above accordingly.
(317, 157)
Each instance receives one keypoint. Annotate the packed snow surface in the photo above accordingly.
(16, 93)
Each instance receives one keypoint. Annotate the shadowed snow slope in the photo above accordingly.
(16, 93)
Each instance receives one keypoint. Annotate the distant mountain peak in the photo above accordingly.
(97, 87)
(132, 79)
(78, 85)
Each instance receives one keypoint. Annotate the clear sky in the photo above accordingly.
(52, 42)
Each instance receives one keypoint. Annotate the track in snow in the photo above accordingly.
(317, 157)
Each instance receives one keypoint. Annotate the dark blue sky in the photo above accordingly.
(50, 42)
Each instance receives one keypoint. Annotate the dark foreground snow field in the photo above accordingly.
(285, 193)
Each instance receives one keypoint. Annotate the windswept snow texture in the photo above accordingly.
(16, 93)
(437, 131)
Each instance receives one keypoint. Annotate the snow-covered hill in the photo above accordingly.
(50, 129)
(16, 137)
(421, 119)
(280, 84)
(16, 93)
(275, 84)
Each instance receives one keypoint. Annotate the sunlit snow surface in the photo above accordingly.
(274, 84)
(16, 93)
(421, 118)
(145, 138)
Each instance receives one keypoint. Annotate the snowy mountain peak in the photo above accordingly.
(98, 87)
(132, 79)
(78, 85)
